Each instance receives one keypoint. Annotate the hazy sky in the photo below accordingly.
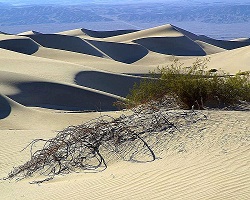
(19, 2)
(78, 1)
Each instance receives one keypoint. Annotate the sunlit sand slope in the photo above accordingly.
(26, 33)
(208, 162)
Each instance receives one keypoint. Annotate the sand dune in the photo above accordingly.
(220, 171)
(188, 34)
(229, 45)
(60, 63)
(120, 51)
(75, 32)
(65, 62)
(208, 48)
(178, 46)
(27, 33)
(105, 34)
(241, 39)
(5, 107)
(62, 97)
(95, 34)
(18, 44)
(108, 82)
(25, 46)
(230, 61)
(70, 57)
(67, 43)
(161, 31)
(15, 116)
(49, 81)
(46, 69)
(37, 93)
(168, 40)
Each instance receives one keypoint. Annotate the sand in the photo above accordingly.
(215, 165)
(51, 81)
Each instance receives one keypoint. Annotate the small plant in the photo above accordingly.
(194, 86)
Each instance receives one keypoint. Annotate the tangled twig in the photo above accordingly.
(86, 147)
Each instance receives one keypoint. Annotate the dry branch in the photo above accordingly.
(86, 147)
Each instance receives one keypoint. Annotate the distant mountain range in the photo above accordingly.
(203, 18)
(224, 14)
(38, 14)
(160, 12)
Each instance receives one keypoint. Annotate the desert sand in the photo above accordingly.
(51, 81)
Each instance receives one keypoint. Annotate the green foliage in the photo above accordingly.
(193, 86)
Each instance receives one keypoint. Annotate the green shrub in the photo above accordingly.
(193, 86)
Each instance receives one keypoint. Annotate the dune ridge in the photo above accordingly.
(51, 81)
(26, 33)
(116, 46)
(95, 34)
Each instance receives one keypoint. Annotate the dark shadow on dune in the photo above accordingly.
(111, 83)
(228, 45)
(247, 41)
(65, 42)
(61, 97)
(105, 34)
(25, 46)
(178, 46)
(188, 34)
(5, 108)
(121, 52)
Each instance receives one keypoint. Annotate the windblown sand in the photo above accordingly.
(49, 81)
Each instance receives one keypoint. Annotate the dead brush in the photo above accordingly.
(88, 147)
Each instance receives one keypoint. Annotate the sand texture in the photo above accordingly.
(51, 81)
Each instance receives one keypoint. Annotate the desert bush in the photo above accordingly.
(194, 86)
(89, 147)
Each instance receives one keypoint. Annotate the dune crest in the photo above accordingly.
(95, 34)
(123, 46)
(26, 33)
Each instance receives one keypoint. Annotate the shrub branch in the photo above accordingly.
(90, 146)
